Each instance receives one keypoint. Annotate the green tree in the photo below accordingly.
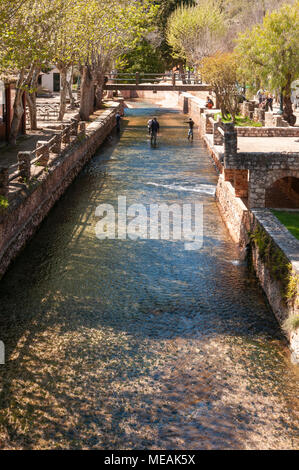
(166, 8)
(196, 32)
(144, 57)
(220, 71)
(25, 49)
(108, 30)
(269, 54)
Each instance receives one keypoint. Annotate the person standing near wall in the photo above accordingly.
(117, 118)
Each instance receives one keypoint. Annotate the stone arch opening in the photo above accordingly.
(283, 193)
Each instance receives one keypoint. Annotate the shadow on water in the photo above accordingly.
(123, 344)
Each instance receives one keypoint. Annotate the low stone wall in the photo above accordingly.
(242, 225)
(26, 211)
(233, 211)
(285, 252)
(267, 131)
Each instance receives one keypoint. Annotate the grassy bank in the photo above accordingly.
(290, 220)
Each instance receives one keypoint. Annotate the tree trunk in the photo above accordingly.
(63, 91)
(99, 92)
(287, 109)
(18, 111)
(87, 94)
(31, 100)
(69, 87)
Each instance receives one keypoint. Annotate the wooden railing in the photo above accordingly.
(138, 78)
(22, 171)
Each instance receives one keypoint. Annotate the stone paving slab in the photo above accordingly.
(268, 144)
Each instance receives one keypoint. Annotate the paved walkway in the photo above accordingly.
(8, 154)
(268, 144)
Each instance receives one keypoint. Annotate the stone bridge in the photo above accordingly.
(264, 179)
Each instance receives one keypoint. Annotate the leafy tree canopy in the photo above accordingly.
(196, 32)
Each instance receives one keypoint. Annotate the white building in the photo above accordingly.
(52, 80)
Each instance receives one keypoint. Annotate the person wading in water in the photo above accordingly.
(191, 125)
(154, 129)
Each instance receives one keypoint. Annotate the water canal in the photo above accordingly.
(121, 344)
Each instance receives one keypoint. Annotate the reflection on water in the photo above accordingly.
(119, 344)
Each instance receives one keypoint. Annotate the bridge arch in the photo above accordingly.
(282, 189)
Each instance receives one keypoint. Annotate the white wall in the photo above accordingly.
(47, 79)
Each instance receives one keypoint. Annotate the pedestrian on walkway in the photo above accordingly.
(260, 95)
(270, 101)
(154, 129)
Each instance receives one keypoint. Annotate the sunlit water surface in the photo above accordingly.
(122, 344)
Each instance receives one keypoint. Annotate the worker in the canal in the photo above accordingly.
(191, 125)
(149, 123)
(154, 128)
(117, 118)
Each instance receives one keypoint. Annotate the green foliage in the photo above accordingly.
(144, 57)
(196, 32)
(220, 70)
(268, 54)
(290, 220)
(166, 8)
(241, 121)
(3, 202)
(291, 323)
(277, 263)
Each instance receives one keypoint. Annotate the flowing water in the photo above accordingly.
(122, 344)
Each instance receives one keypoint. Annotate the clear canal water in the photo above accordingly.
(121, 344)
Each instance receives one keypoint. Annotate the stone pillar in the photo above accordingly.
(66, 135)
(277, 121)
(217, 136)
(42, 151)
(4, 184)
(256, 190)
(56, 147)
(269, 119)
(230, 139)
(75, 125)
(259, 115)
(208, 124)
(241, 183)
(24, 160)
(82, 128)
(247, 108)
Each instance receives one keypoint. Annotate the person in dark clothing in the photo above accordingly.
(117, 118)
(191, 125)
(270, 101)
(154, 128)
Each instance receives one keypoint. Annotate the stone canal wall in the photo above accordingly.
(274, 254)
(273, 251)
(33, 200)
